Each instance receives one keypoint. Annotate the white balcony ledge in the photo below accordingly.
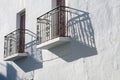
(15, 56)
(53, 42)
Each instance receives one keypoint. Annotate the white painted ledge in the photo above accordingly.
(15, 56)
(53, 42)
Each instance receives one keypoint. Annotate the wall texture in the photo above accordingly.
(92, 53)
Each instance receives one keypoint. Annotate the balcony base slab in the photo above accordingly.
(53, 42)
(15, 56)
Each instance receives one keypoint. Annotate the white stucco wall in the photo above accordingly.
(8, 11)
(103, 66)
(71, 61)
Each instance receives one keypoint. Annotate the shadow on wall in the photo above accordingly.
(33, 60)
(2, 77)
(82, 42)
(11, 72)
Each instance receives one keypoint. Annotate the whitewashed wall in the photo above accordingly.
(104, 15)
(8, 11)
(71, 61)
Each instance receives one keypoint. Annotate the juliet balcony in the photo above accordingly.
(15, 44)
(52, 27)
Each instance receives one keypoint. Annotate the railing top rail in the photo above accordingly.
(19, 30)
(66, 7)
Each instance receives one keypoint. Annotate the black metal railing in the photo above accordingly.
(55, 23)
(13, 41)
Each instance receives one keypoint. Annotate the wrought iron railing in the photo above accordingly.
(55, 23)
(12, 41)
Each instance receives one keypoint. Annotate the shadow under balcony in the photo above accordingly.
(65, 24)
(14, 44)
